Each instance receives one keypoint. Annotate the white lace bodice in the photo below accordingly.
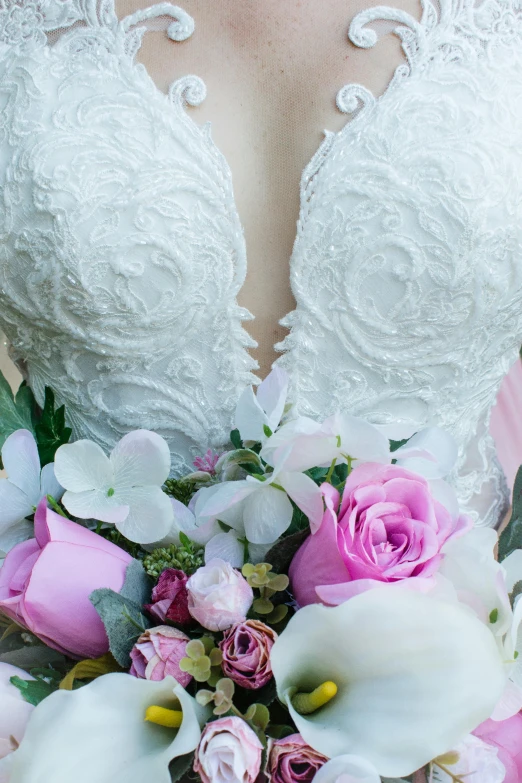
(121, 251)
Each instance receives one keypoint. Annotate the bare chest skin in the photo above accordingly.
(272, 70)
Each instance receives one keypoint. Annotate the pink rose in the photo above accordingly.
(219, 596)
(170, 598)
(157, 654)
(291, 760)
(246, 653)
(389, 528)
(506, 736)
(45, 583)
(228, 751)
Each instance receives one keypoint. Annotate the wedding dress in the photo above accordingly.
(122, 253)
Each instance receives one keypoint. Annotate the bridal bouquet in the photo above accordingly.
(307, 605)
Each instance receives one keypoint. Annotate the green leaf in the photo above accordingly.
(89, 669)
(179, 766)
(516, 591)
(267, 694)
(493, 616)
(28, 657)
(138, 585)
(279, 730)
(50, 430)
(235, 439)
(123, 621)
(341, 473)
(268, 432)
(33, 691)
(511, 538)
(258, 715)
(186, 542)
(299, 521)
(317, 474)
(396, 444)
(282, 553)
(16, 412)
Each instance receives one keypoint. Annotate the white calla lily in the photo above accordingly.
(309, 444)
(414, 676)
(26, 484)
(123, 489)
(347, 769)
(98, 733)
(263, 409)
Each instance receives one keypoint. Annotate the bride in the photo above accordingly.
(151, 263)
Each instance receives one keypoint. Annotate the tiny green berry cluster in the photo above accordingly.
(173, 556)
(180, 490)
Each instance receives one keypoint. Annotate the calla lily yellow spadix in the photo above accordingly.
(306, 703)
(162, 716)
(414, 676)
(97, 734)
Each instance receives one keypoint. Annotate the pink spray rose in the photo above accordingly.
(506, 736)
(157, 654)
(45, 583)
(228, 750)
(219, 596)
(246, 653)
(170, 598)
(291, 760)
(389, 528)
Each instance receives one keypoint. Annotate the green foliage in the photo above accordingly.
(180, 765)
(517, 590)
(137, 586)
(282, 553)
(50, 430)
(181, 490)
(121, 613)
(20, 412)
(396, 444)
(16, 411)
(511, 538)
(46, 681)
(187, 557)
(33, 691)
(235, 439)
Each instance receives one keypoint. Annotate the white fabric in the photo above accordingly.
(121, 250)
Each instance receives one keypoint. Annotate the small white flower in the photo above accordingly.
(309, 444)
(123, 489)
(262, 505)
(255, 411)
(26, 484)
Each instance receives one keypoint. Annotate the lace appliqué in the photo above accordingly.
(122, 253)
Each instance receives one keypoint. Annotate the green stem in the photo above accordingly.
(98, 528)
(454, 778)
(54, 505)
(330, 472)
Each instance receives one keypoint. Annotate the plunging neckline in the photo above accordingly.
(353, 100)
